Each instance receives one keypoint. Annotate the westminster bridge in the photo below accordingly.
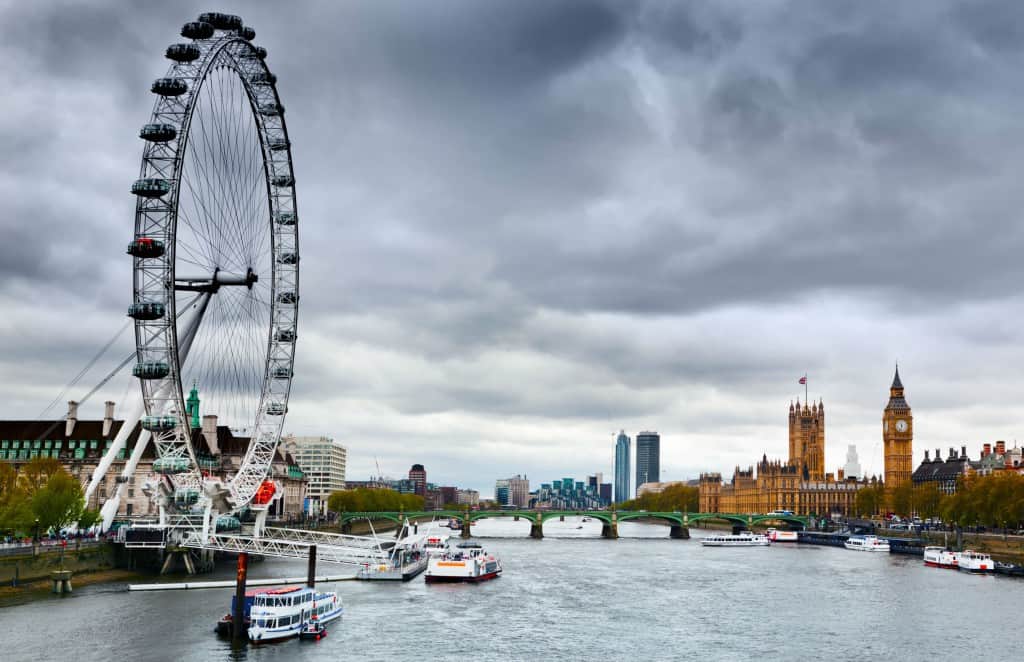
(678, 522)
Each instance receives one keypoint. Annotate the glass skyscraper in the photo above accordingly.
(622, 468)
(648, 458)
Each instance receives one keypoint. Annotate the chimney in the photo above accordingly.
(963, 452)
(926, 456)
(108, 417)
(1001, 447)
(986, 450)
(69, 427)
(938, 455)
(210, 433)
(952, 453)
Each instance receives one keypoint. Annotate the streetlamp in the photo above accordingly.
(36, 539)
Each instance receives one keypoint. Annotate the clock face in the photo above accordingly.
(901, 426)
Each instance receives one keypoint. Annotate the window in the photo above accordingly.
(5, 444)
(94, 444)
(79, 453)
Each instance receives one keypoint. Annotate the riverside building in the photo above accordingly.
(323, 461)
(800, 484)
(80, 444)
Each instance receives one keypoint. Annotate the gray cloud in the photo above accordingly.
(525, 225)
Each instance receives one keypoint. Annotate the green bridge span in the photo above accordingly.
(679, 522)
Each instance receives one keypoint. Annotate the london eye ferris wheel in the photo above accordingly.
(216, 257)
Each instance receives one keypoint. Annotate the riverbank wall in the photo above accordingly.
(24, 568)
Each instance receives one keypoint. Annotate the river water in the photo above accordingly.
(572, 596)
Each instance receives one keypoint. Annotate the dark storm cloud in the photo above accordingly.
(519, 217)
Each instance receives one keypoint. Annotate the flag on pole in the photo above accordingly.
(803, 380)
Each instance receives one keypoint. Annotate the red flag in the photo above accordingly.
(803, 380)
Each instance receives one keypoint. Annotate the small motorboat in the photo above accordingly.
(314, 630)
(1009, 569)
(579, 526)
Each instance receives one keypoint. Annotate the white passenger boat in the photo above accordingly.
(283, 612)
(977, 562)
(737, 540)
(940, 557)
(782, 536)
(467, 562)
(406, 558)
(867, 544)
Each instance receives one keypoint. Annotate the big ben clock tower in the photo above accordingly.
(897, 436)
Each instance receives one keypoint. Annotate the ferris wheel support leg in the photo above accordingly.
(210, 515)
(100, 472)
(111, 506)
(261, 522)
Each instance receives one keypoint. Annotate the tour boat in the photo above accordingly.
(455, 524)
(738, 540)
(977, 562)
(867, 544)
(467, 562)
(782, 536)
(406, 559)
(284, 612)
(586, 519)
(940, 557)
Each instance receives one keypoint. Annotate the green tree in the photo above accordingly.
(869, 500)
(681, 498)
(88, 518)
(928, 499)
(58, 503)
(371, 500)
(901, 500)
(15, 509)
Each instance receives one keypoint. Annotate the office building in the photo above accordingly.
(418, 478)
(622, 455)
(648, 458)
(323, 461)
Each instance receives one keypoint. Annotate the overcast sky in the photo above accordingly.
(526, 225)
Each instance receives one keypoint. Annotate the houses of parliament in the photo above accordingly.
(801, 484)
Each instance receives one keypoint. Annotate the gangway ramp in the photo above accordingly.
(357, 552)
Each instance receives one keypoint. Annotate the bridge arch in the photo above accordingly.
(669, 518)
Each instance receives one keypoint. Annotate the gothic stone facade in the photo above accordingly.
(800, 484)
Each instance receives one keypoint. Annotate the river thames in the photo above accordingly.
(574, 595)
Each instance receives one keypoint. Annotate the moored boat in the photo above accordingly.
(467, 562)
(867, 544)
(782, 536)
(284, 612)
(737, 540)
(976, 562)
(1009, 569)
(940, 557)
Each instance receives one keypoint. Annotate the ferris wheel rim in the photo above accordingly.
(213, 47)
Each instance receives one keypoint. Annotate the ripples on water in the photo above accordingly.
(574, 596)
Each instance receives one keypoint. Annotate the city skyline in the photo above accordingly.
(659, 220)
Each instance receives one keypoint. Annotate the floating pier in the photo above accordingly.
(229, 583)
